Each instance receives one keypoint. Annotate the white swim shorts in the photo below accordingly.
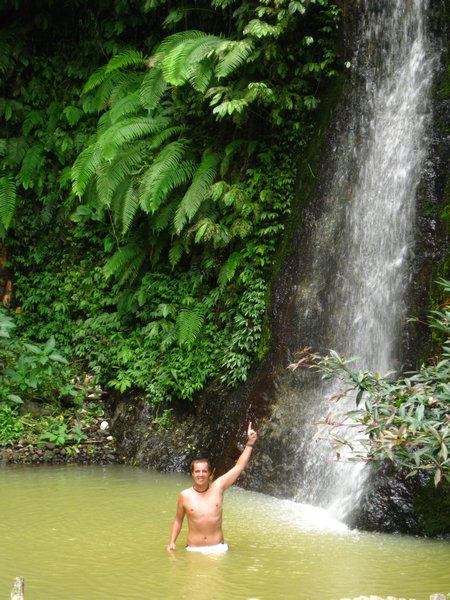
(216, 549)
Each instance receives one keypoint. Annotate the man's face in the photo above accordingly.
(200, 472)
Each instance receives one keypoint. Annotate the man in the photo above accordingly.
(202, 503)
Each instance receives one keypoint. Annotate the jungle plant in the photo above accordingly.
(404, 420)
(32, 371)
(11, 428)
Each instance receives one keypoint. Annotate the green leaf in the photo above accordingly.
(198, 191)
(8, 199)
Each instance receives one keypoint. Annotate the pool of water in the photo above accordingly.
(100, 533)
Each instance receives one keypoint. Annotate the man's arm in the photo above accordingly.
(227, 479)
(177, 524)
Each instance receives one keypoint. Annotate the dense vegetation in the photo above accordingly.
(147, 166)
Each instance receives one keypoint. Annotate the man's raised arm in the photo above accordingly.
(227, 479)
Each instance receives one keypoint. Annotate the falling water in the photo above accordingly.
(359, 306)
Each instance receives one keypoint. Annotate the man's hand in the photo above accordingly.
(251, 434)
(171, 548)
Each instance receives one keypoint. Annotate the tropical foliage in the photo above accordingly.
(404, 420)
(145, 179)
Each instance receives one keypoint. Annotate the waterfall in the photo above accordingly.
(352, 295)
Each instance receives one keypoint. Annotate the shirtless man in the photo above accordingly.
(202, 503)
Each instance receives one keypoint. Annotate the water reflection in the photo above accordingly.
(100, 534)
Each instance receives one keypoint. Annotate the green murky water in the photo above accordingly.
(100, 533)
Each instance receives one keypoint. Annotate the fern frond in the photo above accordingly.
(235, 54)
(129, 207)
(174, 40)
(127, 83)
(86, 164)
(3, 147)
(161, 138)
(167, 172)
(126, 131)
(198, 190)
(32, 119)
(16, 149)
(176, 252)
(8, 199)
(228, 270)
(128, 105)
(111, 174)
(189, 324)
(181, 62)
(164, 216)
(32, 161)
(126, 263)
(124, 59)
(152, 88)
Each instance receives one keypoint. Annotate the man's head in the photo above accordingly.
(203, 461)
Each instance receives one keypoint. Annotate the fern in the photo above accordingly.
(126, 131)
(152, 89)
(73, 114)
(189, 324)
(32, 162)
(198, 190)
(174, 40)
(228, 270)
(162, 137)
(126, 263)
(181, 63)
(129, 207)
(128, 105)
(8, 199)
(164, 216)
(120, 61)
(111, 174)
(84, 167)
(176, 252)
(235, 54)
(168, 171)
(32, 119)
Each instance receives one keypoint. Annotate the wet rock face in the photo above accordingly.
(388, 504)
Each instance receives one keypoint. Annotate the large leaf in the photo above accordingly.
(8, 199)
(198, 190)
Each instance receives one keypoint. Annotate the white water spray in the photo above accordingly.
(368, 223)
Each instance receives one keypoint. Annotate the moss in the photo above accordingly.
(432, 505)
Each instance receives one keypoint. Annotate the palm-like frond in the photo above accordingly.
(128, 105)
(189, 324)
(228, 270)
(174, 40)
(168, 171)
(129, 206)
(198, 190)
(126, 263)
(8, 199)
(163, 136)
(128, 130)
(182, 62)
(111, 174)
(124, 59)
(176, 252)
(152, 88)
(164, 216)
(31, 163)
(85, 166)
(235, 54)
